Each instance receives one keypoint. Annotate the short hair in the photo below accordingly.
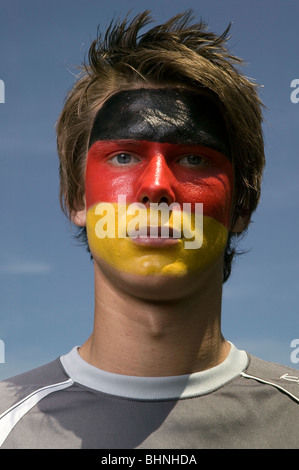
(182, 53)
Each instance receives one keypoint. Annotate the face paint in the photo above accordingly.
(161, 115)
(159, 145)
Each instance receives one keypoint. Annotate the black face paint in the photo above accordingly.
(161, 115)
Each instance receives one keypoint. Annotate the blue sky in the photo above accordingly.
(46, 281)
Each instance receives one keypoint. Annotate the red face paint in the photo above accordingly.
(160, 172)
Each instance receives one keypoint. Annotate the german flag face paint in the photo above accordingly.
(150, 149)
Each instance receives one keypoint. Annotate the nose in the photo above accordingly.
(156, 184)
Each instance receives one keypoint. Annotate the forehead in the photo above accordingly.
(161, 115)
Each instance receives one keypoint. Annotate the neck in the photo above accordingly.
(141, 337)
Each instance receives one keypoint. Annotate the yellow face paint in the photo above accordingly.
(107, 226)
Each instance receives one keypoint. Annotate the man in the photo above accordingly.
(161, 159)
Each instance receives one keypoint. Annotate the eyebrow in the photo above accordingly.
(116, 144)
(204, 139)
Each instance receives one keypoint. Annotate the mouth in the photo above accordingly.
(157, 236)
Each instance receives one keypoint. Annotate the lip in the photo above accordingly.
(155, 242)
(158, 239)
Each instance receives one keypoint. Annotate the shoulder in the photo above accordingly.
(282, 378)
(17, 388)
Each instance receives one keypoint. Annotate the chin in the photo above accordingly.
(157, 287)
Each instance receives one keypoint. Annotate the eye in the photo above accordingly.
(123, 159)
(194, 161)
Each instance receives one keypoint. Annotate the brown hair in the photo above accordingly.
(180, 53)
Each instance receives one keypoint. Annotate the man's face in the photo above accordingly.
(153, 146)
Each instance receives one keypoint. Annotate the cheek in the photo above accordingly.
(215, 192)
(103, 183)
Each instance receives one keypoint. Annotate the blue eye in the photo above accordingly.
(193, 161)
(123, 159)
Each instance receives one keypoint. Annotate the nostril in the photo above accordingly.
(145, 201)
(164, 199)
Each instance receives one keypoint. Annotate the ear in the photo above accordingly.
(241, 222)
(78, 217)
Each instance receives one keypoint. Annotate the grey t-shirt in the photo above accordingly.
(242, 403)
